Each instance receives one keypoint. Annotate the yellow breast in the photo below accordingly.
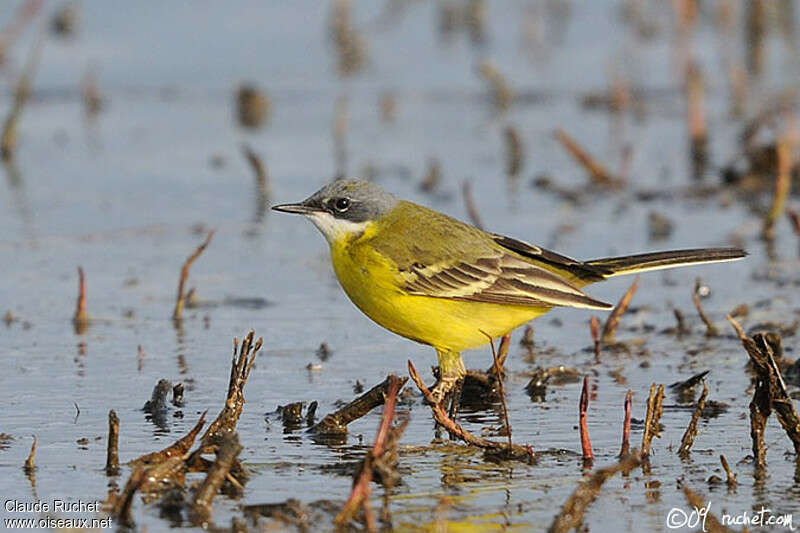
(371, 282)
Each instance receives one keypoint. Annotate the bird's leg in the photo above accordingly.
(451, 369)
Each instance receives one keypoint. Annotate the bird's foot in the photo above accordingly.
(443, 387)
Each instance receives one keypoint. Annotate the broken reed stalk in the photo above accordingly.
(81, 317)
(472, 209)
(696, 118)
(730, 477)
(336, 422)
(515, 153)
(359, 496)
(241, 365)
(262, 181)
(610, 329)
(594, 329)
(449, 425)
(22, 92)
(770, 393)
(227, 452)
(179, 301)
(651, 421)
(498, 370)
(178, 449)
(711, 329)
(500, 90)
(710, 523)
(783, 182)
(121, 509)
(691, 431)
(112, 453)
(597, 172)
(583, 406)
(25, 13)
(794, 218)
(571, 514)
(30, 465)
(626, 426)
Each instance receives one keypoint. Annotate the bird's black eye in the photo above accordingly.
(341, 204)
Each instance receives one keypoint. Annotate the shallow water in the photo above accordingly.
(130, 196)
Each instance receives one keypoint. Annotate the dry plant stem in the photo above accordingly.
(336, 422)
(691, 430)
(234, 402)
(626, 426)
(29, 465)
(498, 369)
(178, 449)
(112, 454)
(783, 182)
(8, 141)
(583, 406)
(122, 506)
(594, 329)
(472, 210)
(443, 420)
(26, 12)
(597, 172)
(359, 496)
(730, 477)
(262, 180)
(227, 453)
(616, 315)
(711, 329)
(770, 393)
(81, 317)
(651, 422)
(794, 218)
(711, 523)
(177, 312)
(572, 512)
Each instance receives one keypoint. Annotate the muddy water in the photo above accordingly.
(129, 196)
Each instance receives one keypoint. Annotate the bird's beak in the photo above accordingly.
(297, 209)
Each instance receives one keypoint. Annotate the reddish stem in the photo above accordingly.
(586, 445)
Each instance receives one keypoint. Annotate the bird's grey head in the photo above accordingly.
(344, 207)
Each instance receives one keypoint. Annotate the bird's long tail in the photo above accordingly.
(618, 266)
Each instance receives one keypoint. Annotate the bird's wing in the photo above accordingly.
(499, 278)
(441, 257)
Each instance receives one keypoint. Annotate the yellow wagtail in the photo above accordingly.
(441, 282)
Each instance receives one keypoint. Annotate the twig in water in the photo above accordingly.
(696, 118)
(691, 430)
(594, 329)
(227, 452)
(443, 420)
(515, 153)
(571, 514)
(709, 521)
(597, 172)
(472, 210)
(730, 477)
(770, 393)
(651, 421)
(29, 465)
(498, 369)
(178, 449)
(610, 329)
(626, 426)
(22, 92)
(336, 422)
(711, 329)
(112, 454)
(262, 181)
(359, 496)
(583, 406)
(81, 317)
(783, 182)
(501, 93)
(179, 301)
(241, 365)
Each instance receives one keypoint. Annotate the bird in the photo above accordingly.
(441, 282)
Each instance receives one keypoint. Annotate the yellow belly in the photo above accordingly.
(447, 325)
